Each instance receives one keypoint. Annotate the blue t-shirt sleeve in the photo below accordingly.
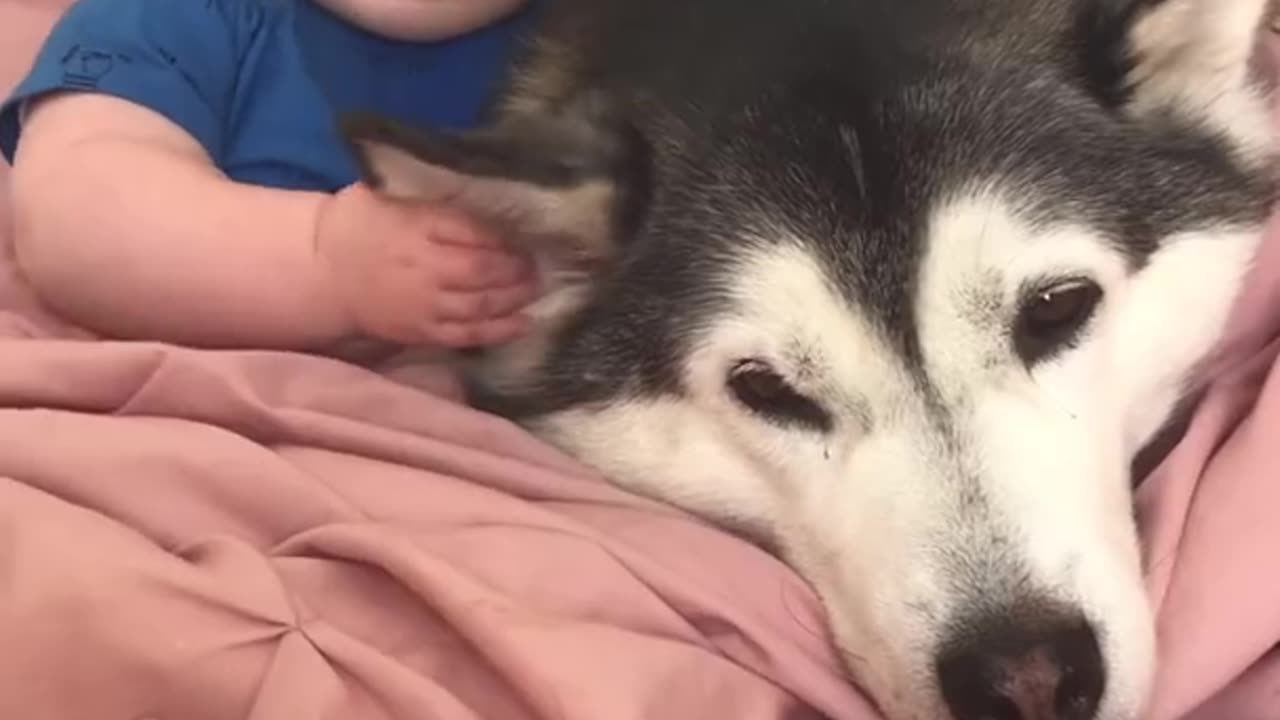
(176, 57)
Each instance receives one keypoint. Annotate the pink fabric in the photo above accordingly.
(204, 535)
(228, 535)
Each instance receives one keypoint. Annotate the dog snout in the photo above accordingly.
(1006, 670)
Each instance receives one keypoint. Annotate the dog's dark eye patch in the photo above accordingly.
(1051, 317)
(762, 390)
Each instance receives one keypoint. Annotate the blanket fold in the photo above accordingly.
(210, 534)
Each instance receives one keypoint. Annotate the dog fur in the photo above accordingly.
(897, 287)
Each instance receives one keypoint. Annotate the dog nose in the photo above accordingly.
(1007, 670)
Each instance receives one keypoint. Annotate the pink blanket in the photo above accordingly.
(204, 535)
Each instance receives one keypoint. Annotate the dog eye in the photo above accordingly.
(1051, 318)
(763, 391)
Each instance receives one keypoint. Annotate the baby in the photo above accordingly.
(178, 174)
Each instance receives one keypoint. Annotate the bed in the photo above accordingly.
(213, 535)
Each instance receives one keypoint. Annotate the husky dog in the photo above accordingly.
(898, 287)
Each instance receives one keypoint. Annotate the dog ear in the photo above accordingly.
(557, 186)
(1198, 61)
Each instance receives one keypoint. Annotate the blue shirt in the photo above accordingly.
(259, 83)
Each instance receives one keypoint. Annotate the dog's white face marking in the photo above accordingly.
(877, 512)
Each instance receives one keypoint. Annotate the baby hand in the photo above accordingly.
(414, 274)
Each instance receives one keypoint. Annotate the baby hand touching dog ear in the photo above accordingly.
(417, 274)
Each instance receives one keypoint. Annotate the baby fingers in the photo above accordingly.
(478, 334)
(455, 305)
(482, 269)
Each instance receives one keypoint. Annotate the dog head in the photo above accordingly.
(901, 293)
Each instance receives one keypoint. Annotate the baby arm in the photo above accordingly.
(124, 223)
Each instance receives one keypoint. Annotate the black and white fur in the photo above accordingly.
(899, 287)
